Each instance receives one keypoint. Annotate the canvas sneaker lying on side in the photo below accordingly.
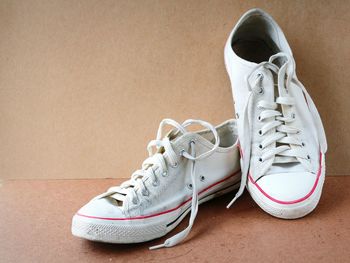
(281, 135)
(186, 169)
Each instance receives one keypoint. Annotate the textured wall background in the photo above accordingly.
(84, 84)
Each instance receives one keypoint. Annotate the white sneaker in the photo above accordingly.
(280, 132)
(188, 168)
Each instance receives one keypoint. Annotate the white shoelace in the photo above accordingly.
(158, 161)
(288, 148)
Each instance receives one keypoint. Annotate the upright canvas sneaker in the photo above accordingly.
(281, 136)
(187, 168)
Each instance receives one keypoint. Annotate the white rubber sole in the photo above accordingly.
(136, 231)
(290, 211)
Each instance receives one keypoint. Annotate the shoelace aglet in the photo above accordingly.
(232, 201)
(157, 246)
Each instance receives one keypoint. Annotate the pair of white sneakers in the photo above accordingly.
(278, 140)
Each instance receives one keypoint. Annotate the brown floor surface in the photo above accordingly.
(35, 223)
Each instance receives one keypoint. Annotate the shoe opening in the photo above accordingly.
(256, 39)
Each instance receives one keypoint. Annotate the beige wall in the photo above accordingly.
(84, 84)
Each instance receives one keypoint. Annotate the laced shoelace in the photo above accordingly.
(159, 161)
(288, 148)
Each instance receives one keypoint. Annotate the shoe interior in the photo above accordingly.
(255, 40)
(227, 134)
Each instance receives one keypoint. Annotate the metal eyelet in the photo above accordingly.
(165, 174)
(202, 178)
(176, 164)
(260, 146)
(261, 91)
(189, 186)
(259, 118)
(260, 160)
(260, 132)
(303, 144)
(135, 201)
(260, 75)
(308, 157)
(155, 183)
(145, 193)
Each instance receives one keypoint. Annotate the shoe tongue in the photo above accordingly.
(119, 198)
(286, 168)
(279, 61)
(174, 135)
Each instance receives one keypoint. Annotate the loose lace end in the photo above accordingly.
(157, 246)
(232, 201)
